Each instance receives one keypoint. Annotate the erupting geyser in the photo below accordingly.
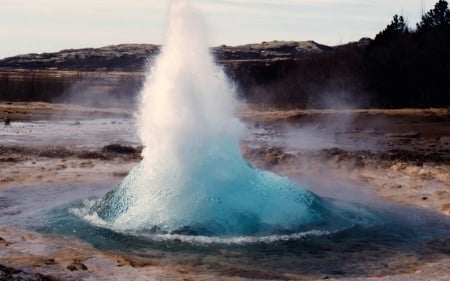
(193, 179)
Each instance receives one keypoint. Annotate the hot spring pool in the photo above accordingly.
(401, 234)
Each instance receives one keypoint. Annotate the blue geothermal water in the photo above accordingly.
(222, 196)
(361, 250)
(192, 179)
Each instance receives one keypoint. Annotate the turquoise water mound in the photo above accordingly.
(220, 194)
(193, 179)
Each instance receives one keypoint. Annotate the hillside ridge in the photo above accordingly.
(134, 57)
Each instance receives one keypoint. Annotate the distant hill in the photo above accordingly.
(125, 57)
(280, 73)
(133, 57)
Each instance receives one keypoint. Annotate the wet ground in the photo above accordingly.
(397, 166)
(403, 239)
(92, 133)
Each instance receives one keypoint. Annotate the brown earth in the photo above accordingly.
(28, 111)
(409, 165)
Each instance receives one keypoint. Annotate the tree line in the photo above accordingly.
(411, 67)
(401, 67)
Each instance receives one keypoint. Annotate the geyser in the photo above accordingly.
(192, 179)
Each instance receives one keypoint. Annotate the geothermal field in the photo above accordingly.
(192, 183)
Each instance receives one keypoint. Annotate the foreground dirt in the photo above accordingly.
(402, 155)
(37, 165)
(20, 111)
(405, 158)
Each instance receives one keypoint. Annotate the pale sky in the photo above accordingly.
(35, 26)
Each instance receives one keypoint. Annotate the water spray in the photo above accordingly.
(193, 179)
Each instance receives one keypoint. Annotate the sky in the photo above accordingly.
(36, 26)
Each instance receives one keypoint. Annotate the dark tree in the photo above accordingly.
(387, 65)
(395, 29)
(437, 18)
(432, 55)
(412, 69)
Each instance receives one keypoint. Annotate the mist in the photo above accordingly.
(103, 90)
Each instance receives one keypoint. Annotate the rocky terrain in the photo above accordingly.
(127, 57)
(113, 75)
(133, 57)
(398, 157)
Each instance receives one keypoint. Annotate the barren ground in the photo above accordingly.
(398, 156)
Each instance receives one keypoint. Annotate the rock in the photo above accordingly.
(4, 243)
(76, 265)
(56, 152)
(86, 154)
(266, 157)
(446, 208)
(119, 149)
(12, 274)
(404, 135)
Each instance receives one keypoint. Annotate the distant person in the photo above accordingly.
(7, 121)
